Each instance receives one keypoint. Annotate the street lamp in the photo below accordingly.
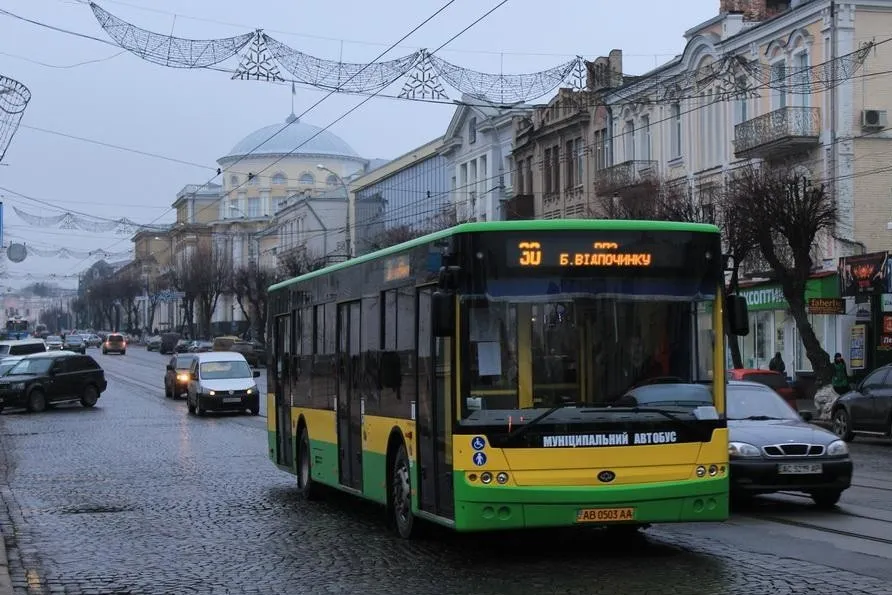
(348, 235)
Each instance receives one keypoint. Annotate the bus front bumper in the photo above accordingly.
(494, 507)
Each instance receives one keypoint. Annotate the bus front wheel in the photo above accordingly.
(305, 485)
(401, 494)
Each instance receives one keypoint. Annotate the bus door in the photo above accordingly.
(349, 412)
(283, 349)
(434, 413)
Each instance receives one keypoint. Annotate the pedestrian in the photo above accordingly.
(840, 379)
(777, 364)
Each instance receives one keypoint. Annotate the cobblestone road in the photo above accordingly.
(135, 496)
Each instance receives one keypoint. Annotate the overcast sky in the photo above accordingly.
(198, 115)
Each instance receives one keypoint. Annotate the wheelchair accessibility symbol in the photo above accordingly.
(479, 459)
(478, 443)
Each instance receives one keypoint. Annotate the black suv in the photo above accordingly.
(52, 377)
(75, 343)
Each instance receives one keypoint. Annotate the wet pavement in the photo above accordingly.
(136, 496)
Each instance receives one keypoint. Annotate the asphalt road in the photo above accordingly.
(136, 496)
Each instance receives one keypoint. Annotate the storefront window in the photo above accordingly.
(762, 339)
(818, 323)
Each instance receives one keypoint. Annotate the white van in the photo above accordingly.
(222, 381)
(22, 347)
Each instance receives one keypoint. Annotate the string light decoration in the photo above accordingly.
(14, 98)
(69, 220)
(424, 73)
(78, 254)
(167, 50)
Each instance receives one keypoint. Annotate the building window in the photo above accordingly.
(778, 88)
(741, 106)
(279, 178)
(645, 138)
(278, 203)
(254, 207)
(556, 169)
(629, 140)
(675, 135)
(547, 172)
(307, 179)
(601, 149)
(580, 161)
(253, 180)
(472, 131)
(801, 80)
(333, 180)
(518, 184)
(233, 180)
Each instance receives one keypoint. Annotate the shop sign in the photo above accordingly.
(857, 343)
(864, 274)
(886, 302)
(767, 298)
(827, 306)
(887, 324)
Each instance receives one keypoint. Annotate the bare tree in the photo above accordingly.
(296, 263)
(179, 277)
(249, 286)
(784, 213)
(209, 271)
(127, 288)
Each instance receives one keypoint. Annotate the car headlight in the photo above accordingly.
(212, 393)
(837, 448)
(182, 377)
(21, 386)
(742, 449)
(251, 390)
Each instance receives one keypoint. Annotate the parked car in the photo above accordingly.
(93, 340)
(867, 409)
(772, 448)
(52, 377)
(182, 346)
(222, 381)
(200, 346)
(773, 380)
(54, 343)
(75, 343)
(177, 376)
(153, 343)
(115, 343)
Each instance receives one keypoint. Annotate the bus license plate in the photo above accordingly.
(800, 468)
(605, 515)
(232, 400)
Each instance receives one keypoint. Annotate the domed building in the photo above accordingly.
(282, 188)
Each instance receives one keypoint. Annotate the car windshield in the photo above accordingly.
(115, 338)
(31, 367)
(54, 339)
(668, 395)
(225, 370)
(183, 363)
(74, 339)
(7, 365)
(750, 402)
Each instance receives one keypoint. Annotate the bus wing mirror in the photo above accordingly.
(738, 316)
(443, 312)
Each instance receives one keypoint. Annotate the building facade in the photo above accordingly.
(403, 198)
(477, 146)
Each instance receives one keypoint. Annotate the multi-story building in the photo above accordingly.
(562, 148)
(403, 198)
(477, 146)
(773, 81)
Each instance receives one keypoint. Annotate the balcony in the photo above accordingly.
(783, 131)
(623, 175)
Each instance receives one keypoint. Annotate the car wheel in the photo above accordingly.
(842, 427)
(105, 352)
(401, 494)
(36, 401)
(124, 352)
(90, 396)
(306, 487)
(190, 406)
(826, 498)
(166, 392)
(255, 410)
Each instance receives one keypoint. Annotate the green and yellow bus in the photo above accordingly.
(485, 377)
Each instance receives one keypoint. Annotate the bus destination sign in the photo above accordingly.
(577, 254)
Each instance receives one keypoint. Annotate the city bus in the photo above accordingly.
(17, 328)
(479, 377)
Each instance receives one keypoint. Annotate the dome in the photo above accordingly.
(299, 138)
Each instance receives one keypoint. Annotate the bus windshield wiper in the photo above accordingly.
(682, 422)
(538, 419)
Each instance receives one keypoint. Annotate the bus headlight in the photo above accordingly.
(742, 449)
(701, 471)
(486, 477)
(502, 477)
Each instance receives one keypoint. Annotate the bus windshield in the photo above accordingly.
(546, 350)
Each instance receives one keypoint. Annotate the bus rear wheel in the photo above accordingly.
(305, 485)
(401, 494)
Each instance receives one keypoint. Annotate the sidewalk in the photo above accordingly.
(5, 581)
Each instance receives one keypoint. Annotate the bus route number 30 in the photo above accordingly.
(605, 515)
